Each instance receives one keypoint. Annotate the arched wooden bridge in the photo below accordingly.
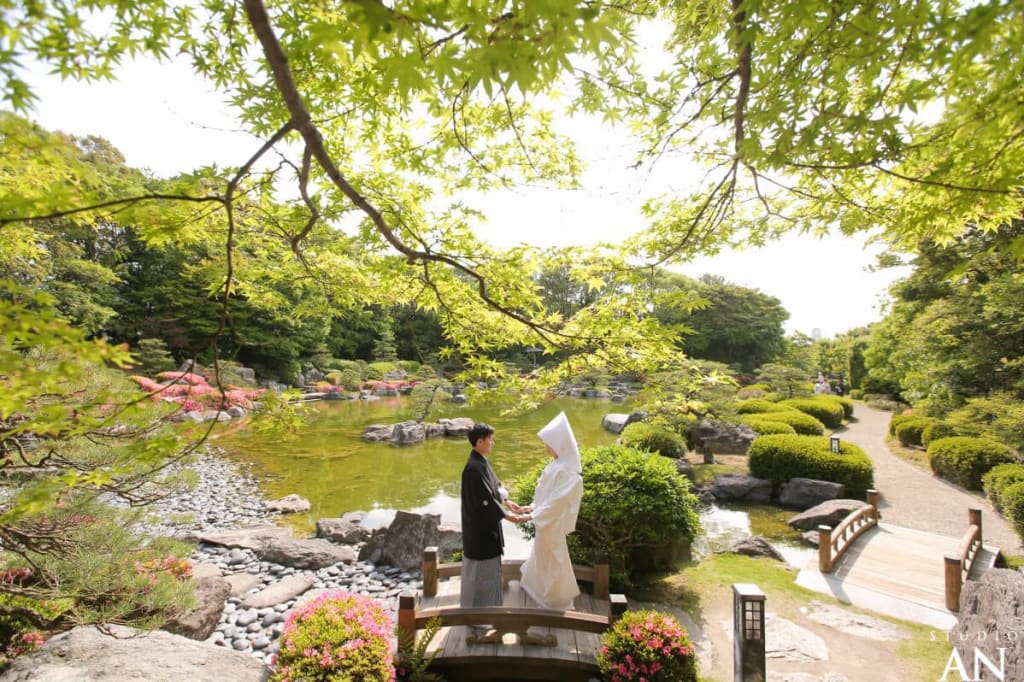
(898, 571)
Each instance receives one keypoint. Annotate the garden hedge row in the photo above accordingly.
(998, 479)
(965, 460)
(779, 458)
(653, 438)
(764, 424)
(828, 412)
(909, 431)
(802, 423)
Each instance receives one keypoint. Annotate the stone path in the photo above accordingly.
(916, 499)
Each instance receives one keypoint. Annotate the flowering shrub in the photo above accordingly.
(337, 636)
(648, 646)
(25, 642)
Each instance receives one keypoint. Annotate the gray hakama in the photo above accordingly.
(481, 582)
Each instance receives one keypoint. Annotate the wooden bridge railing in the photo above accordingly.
(959, 565)
(509, 619)
(832, 542)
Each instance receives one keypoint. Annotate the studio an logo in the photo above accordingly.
(981, 662)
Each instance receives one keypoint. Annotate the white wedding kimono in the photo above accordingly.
(547, 575)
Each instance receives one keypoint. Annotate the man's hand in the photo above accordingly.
(516, 508)
(517, 518)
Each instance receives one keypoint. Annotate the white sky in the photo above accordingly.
(164, 119)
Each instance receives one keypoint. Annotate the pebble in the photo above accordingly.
(226, 498)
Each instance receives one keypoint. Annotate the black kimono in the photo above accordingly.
(482, 511)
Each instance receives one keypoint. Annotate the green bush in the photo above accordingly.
(909, 431)
(937, 430)
(999, 417)
(998, 479)
(647, 645)
(653, 438)
(856, 394)
(844, 402)
(764, 424)
(633, 502)
(758, 405)
(779, 458)
(801, 422)
(337, 636)
(408, 366)
(898, 419)
(828, 412)
(964, 460)
(1013, 506)
(380, 370)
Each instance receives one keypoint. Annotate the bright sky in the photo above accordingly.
(164, 119)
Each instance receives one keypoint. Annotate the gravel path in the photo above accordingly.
(916, 499)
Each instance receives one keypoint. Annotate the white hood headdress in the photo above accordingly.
(558, 434)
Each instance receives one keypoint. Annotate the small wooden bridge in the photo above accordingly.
(898, 571)
(529, 643)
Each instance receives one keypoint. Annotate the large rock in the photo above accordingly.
(614, 422)
(408, 432)
(459, 426)
(825, 514)
(378, 432)
(741, 487)
(804, 493)
(314, 554)
(290, 504)
(85, 654)
(992, 617)
(200, 622)
(288, 587)
(401, 544)
(252, 537)
(348, 530)
(722, 438)
(755, 546)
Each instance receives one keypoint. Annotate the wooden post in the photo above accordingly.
(953, 583)
(406, 618)
(974, 519)
(430, 571)
(824, 549)
(873, 501)
(617, 606)
(601, 575)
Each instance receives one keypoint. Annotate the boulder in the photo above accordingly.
(242, 582)
(314, 554)
(723, 438)
(754, 546)
(86, 653)
(408, 432)
(247, 538)
(459, 426)
(290, 504)
(992, 617)
(200, 622)
(434, 430)
(825, 514)
(741, 487)
(378, 432)
(401, 544)
(614, 422)
(286, 588)
(804, 493)
(348, 530)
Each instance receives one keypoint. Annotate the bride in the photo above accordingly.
(547, 576)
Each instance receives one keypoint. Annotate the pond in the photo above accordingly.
(328, 462)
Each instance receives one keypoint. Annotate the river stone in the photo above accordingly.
(314, 554)
(290, 504)
(614, 422)
(86, 654)
(459, 426)
(754, 546)
(252, 537)
(347, 530)
(741, 487)
(804, 493)
(829, 514)
(200, 622)
(287, 588)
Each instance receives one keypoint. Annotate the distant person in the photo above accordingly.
(547, 575)
(840, 387)
(483, 509)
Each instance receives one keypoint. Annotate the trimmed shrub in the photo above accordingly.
(898, 419)
(964, 460)
(804, 424)
(1013, 506)
(999, 417)
(998, 479)
(758, 405)
(647, 645)
(337, 636)
(633, 501)
(856, 394)
(844, 402)
(828, 412)
(653, 438)
(937, 430)
(764, 424)
(908, 431)
(779, 458)
(409, 366)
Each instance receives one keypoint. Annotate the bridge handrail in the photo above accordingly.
(833, 542)
(959, 564)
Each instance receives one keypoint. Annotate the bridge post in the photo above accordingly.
(953, 582)
(406, 620)
(873, 501)
(601, 575)
(617, 606)
(748, 633)
(429, 571)
(974, 519)
(825, 549)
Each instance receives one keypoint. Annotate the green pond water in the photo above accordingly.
(327, 461)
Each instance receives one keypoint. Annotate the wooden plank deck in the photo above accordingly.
(572, 658)
(892, 570)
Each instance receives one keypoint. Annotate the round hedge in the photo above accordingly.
(765, 425)
(897, 419)
(779, 458)
(654, 438)
(965, 460)
(999, 478)
(937, 430)
(844, 402)
(803, 424)
(1013, 506)
(758, 405)
(909, 431)
(828, 412)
